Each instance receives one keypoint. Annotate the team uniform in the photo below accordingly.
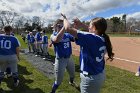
(92, 51)
(38, 39)
(8, 69)
(32, 42)
(45, 45)
(8, 57)
(63, 60)
(28, 42)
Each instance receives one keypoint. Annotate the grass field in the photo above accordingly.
(33, 81)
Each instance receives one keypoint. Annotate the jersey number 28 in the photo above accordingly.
(5, 44)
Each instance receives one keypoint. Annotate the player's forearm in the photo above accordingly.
(59, 36)
(68, 28)
(72, 31)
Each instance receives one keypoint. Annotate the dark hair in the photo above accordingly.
(101, 26)
(57, 22)
(38, 28)
(8, 28)
(109, 47)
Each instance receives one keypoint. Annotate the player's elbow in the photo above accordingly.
(56, 41)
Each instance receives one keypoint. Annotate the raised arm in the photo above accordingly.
(68, 27)
(78, 24)
(59, 36)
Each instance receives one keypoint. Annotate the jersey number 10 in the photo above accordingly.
(5, 44)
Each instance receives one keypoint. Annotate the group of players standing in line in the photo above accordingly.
(94, 43)
(37, 42)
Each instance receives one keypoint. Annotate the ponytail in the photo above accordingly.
(108, 47)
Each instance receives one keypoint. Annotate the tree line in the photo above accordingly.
(22, 23)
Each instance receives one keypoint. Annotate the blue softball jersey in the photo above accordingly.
(92, 51)
(63, 48)
(45, 39)
(28, 37)
(32, 39)
(8, 45)
(38, 36)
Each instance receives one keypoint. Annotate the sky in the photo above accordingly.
(83, 9)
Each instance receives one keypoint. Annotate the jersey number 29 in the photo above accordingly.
(5, 44)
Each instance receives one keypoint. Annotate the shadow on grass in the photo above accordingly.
(23, 85)
(51, 58)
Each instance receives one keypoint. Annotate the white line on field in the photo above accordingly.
(131, 61)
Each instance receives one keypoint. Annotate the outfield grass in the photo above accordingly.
(33, 81)
(23, 44)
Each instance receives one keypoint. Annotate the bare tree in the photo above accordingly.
(7, 17)
(19, 23)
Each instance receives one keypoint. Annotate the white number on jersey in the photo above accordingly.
(5, 44)
(101, 49)
(66, 45)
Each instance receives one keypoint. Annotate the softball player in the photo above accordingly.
(9, 54)
(63, 50)
(23, 36)
(32, 42)
(8, 69)
(44, 45)
(93, 45)
(38, 41)
(28, 41)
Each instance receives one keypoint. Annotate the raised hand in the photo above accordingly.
(64, 16)
(77, 23)
(76, 20)
(66, 22)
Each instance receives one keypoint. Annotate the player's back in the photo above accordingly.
(8, 45)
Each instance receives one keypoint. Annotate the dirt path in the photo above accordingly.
(45, 66)
(127, 53)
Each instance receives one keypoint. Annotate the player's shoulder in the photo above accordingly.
(67, 34)
(9, 37)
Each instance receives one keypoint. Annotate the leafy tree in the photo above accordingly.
(124, 21)
(116, 22)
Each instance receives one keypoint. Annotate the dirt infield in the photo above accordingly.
(127, 52)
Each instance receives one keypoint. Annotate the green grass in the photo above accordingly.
(33, 81)
(23, 44)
